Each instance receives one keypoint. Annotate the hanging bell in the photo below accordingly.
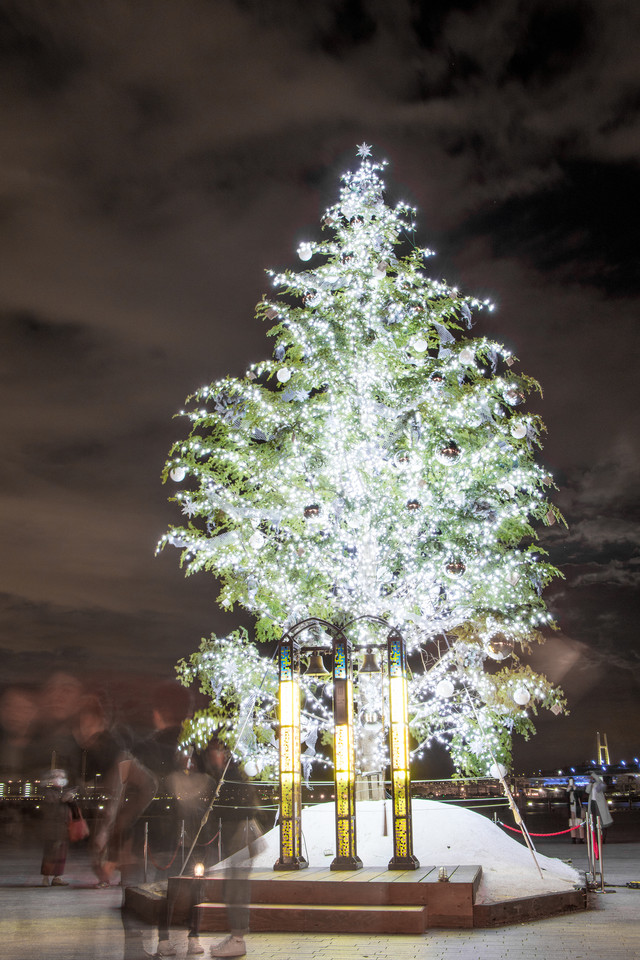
(316, 667)
(369, 663)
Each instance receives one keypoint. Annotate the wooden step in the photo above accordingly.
(313, 918)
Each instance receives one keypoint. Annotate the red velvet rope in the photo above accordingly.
(157, 865)
(209, 842)
(556, 834)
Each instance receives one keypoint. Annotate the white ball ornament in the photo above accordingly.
(521, 696)
(251, 768)
(304, 251)
(256, 540)
(445, 689)
(508, 489)
(467, 356)
(497, 770)
(178, 474)
(518, 430)
(420, 345)
(283, 374)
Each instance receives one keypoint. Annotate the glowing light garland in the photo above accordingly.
(381, 464)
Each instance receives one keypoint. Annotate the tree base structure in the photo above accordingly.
(373, 901)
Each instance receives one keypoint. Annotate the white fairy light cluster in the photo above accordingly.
(380, 463)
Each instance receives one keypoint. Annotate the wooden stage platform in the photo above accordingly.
(319, 900)
(372, 900)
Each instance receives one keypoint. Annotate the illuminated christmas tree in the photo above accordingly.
(376, 472)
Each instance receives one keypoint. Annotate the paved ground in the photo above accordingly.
(80, 922)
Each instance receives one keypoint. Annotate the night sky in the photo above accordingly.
(156, 157)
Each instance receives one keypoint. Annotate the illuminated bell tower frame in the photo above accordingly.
(344, 756)
(290, 793)
(344, 750)
(403, 858)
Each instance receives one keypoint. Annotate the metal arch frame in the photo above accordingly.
(289, 755)
(290, 785)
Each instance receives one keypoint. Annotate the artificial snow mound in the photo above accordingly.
(443, 835)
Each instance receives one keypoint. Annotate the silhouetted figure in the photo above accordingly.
(18, 758)
(128, 786)
(235, 805)
(597, 803)
(57, 812)
(57, 748)
(574, 803)
(162, 753)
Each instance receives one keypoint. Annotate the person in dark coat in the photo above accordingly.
(55, 828)
(128, 786)
(18, 755)
(163, 755)
(60, 701)
(574, 804)
(235, 805)
(597, 802)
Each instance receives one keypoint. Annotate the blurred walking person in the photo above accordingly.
(18, 760)
(57, 813)
(129, 788)
(235, 805)
(574, 802)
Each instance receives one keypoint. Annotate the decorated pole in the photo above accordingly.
(290, 794)
(346, 857)
(403, 858)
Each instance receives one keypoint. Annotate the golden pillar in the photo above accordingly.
(344, 759)
(290, 786)
(403, 858)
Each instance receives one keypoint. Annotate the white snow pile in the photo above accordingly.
(443, 835)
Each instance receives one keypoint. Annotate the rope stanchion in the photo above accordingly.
(556, 833)
(209, 842)
(157, 865)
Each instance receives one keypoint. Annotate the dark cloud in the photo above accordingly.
(33, 59)
(580, 228)
(552, 39)
(351, 25)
